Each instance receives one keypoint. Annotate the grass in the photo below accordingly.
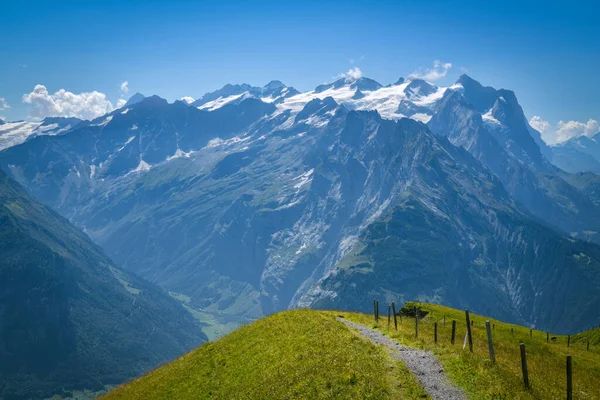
(476, 374)
(593, 336)
(214, 324)
(290, 355)
(213, 327)
(309, 355)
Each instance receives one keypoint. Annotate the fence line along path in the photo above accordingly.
(423, 364)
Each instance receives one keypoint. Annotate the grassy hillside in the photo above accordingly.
(478, 376)
(592, 336)
(308, 354)
(291, 355)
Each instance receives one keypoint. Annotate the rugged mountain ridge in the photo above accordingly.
(14, 133)
(69, 318)
(578, 154)
(500, 139)
(273, 92)
(248, 207)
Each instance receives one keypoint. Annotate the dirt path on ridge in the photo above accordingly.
(423, 364)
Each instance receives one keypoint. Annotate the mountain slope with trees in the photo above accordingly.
(69, 318)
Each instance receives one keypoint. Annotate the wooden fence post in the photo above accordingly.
(375, 309)
(569, 378)
(530, 332)
(512, 332)
(588, 346)
(469, 331)
(524, 366)
(490, 343)
(547, 337)
(453, 331)
(394, 311)
(389, 314)
(435, 332)
(416, 323)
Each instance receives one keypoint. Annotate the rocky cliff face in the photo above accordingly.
(500, 139)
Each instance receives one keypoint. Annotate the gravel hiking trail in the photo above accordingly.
(423, 364)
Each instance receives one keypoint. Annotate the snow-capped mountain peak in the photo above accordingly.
(411, 98)
(273, 92)
(14, 133)
(418, 88)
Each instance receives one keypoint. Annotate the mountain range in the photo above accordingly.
(273, 92)
(256, 199)
(578, 154)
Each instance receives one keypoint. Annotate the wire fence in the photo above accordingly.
(510, 353)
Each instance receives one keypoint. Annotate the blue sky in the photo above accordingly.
(548, 53)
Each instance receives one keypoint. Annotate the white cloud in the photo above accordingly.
(85, 105)
(544, 128)
(187, 99)
(567, 130)
(564, 130)
(3, 106)
(352, 74)
(124, 87)
(438, 71)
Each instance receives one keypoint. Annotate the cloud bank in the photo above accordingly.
(352, 74)
(564, 130)
(3, 106)
(438, 71)
(124, 87)
(85, 105)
